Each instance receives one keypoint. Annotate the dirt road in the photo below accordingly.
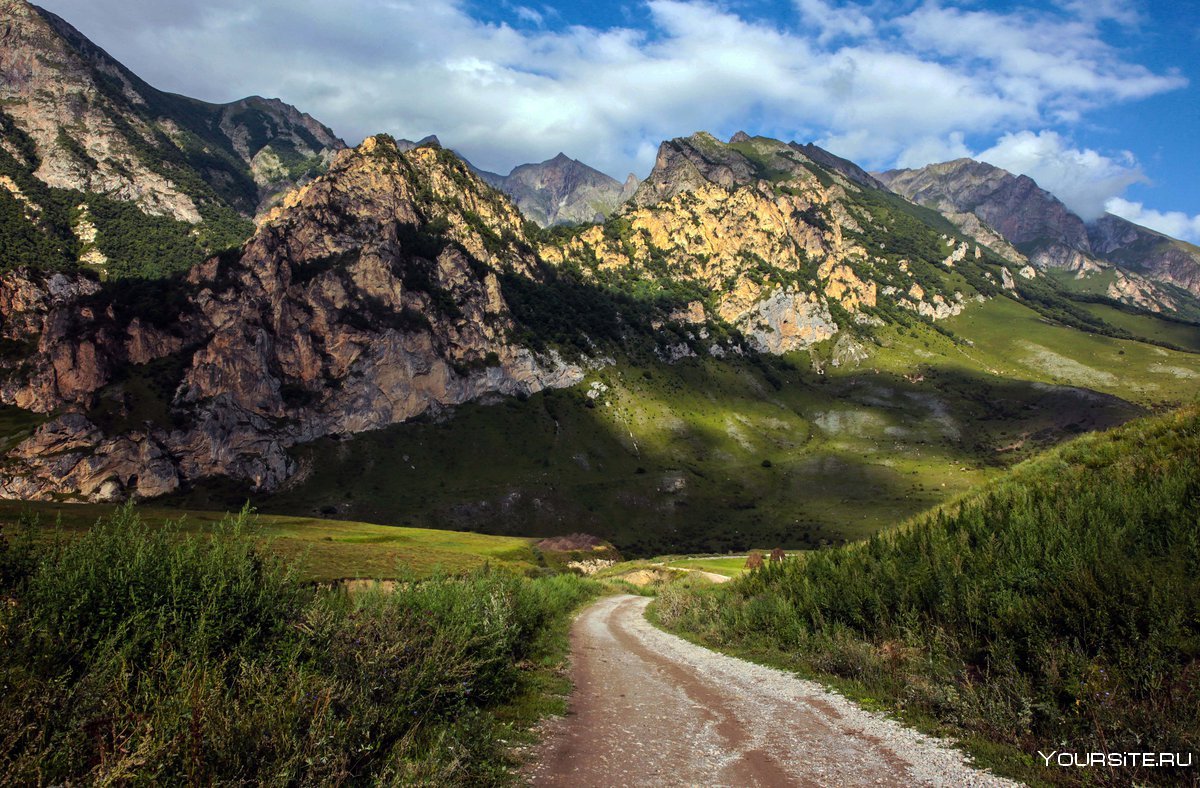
(650, 709)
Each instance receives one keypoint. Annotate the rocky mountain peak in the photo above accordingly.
(370, 295)
(988, 202)
(561, 190)
(688, 163)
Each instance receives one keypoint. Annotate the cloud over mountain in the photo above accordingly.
(880, 84)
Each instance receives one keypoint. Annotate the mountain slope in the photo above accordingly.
(562, 190)
(688, 433)
(1153, 271)
(79, 129)
(399, 284)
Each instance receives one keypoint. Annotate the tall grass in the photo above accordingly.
(1056, 609)
(141, 655)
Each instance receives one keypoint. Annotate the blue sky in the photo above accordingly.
(1095, 99)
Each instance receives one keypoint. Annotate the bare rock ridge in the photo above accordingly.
(97, 127)
(368, 297)
(562, 190)
(1038, 226)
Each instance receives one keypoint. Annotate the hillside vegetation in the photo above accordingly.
(138, 654)
(1055, 608)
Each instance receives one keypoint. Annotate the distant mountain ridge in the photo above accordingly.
(562, 190)
(1150, 266)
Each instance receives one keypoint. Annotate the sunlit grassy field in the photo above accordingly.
(324, 550)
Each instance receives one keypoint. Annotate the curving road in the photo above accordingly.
(651, 709)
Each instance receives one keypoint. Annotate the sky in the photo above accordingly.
(1097, 100)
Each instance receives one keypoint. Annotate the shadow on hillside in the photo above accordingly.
(695, 457)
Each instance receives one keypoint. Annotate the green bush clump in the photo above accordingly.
(141, 655)
(1056, 609)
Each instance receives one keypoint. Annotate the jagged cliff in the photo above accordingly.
(982, 200)
(776, 243)
(369, 296)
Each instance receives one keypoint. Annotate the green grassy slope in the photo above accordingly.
(1181, 334)
(1058, 606)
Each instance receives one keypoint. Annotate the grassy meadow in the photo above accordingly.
(321, 550)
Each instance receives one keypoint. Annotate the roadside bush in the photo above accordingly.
(142, 655)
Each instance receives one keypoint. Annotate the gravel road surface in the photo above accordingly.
(651, 709)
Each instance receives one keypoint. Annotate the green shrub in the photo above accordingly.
(142, 655)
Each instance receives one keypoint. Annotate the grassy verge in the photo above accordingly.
(1056, 609)
(144, 654)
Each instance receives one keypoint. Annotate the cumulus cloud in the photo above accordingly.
(1176, 224)
(872, 85)
(1084, 180)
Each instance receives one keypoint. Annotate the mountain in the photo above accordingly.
(394, 340)
(400, 284)
(83, 140)
(368, 297)
(562, 190)
(1143, 267)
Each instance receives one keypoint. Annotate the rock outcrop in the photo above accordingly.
(368, 297)
(773, 234)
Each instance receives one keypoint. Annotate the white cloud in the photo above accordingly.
(1084, 180)
(876, 88)
(934, 149)
(834, 21)
(1123, 12)
(1176, 224)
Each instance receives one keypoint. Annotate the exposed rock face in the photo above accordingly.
(688, 164)
(765, 229)
(563, 190)
(1155, 256)
(370, 296)
(1040, 227)
(99, 128)
(787, 320)
(70, 455)
(1029, 218)
(1130, 288)
(64, 340)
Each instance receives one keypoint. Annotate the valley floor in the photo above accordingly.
(652, 709)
